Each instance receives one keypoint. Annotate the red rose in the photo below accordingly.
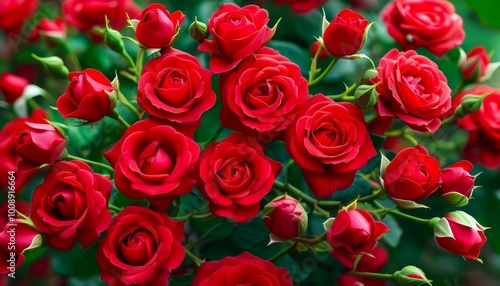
(234, 175)
(157, 28)
(155, 162)
(49, 29)
(236, 34)
(330, 142)
(87, 14)
(89, 96)
(302, 6)
(262, 95)
(8, 149)
(345, 35)
(12, 86)
(71, 204)
(413, 89)
(458, 183)
(244, 269)
(15, 236)
(355, 232)
(285, 217)
(314, 49)
(140, 248)
(475, 64)
(459, 233)
(432, 24)
(38, 144)
(175, 87)
(13, 14)
(412, 176)
(483, 143)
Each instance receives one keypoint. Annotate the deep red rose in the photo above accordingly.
(141, 247)
(157, 26)
(412, 176)
(285, 217)
(372, 261)
(244, 269)
(175, 87)
(413, 89)
(38, 144)
(15, 236)
(154, 161)
(302, 6)
(483, 143)
(14, 13)
(49, 29)
(71, 204)
(345, 34)
(262, 95)
(12, 86)
(236, 34)
(352, 280)
(475, 64)
(88, 14)
(234, 175)
(459, 233)
(89, 96)
(432, 24)
(330, 142)
(8, 149)
(458, 183)
(355, 232)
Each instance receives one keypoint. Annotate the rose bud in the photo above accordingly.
(475, 64)
(459, 233)
(346, 34)
(89, 96)
(411, 176)
(53, 65)
(314, 49)
(157, 27)
(411, 276)
(198, 30)
(285, 217)
(354, 231)
(458, 183)
(38, 144)
(12, 86)
(53, 30)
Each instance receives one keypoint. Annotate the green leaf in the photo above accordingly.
(294, 53)
(487, 10)
(249, 234)
(184, 280)
(393, 237)
(360, 187)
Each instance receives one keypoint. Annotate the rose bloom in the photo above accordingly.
(285, 217)
(157, 26)
(175, 87)
(459, 233)
(432, 24)
(475, 65)
(49, 29)
(236, 34)
(234, 175)
(262, 95)
(345, 34)
(355, 232)
(302, 6)
(458, 183)
(413, 89)
(8, 149)
(483, 144)
(89, 96)
(141, 247)
(71, 204)
(330, 142)
(244, 269)
(14, 13)
(154, 161)
(87, 14)
(412, 176)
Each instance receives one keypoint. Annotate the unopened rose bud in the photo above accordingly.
(12, 86)
(469, 104)
(113, 39)
(458, 183)
(411, 276)
(365, 96)
(198, 30)
(368, 76)
(475, 64)
(54, 65)
(285, 217)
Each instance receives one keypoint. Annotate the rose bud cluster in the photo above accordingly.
(432, 24)
(157, 27)
(285, 218)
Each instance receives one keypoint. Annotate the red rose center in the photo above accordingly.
(155, 161)
(64, 205)
(138, 247)
(150, 16)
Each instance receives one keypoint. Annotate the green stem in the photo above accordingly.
(396, 132)
(310, 241)
(123, 99)
(102, 165)
(383, 276)
(410, 138)
(193, 257)
(460, 86)
(407, 216)
(72, 57)
(306, 198)
(129, 59)
(213, 138)
(313, 67)
(282, 252)
(138, 63)
(114, 208)
(324, 73)
(114, 114)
